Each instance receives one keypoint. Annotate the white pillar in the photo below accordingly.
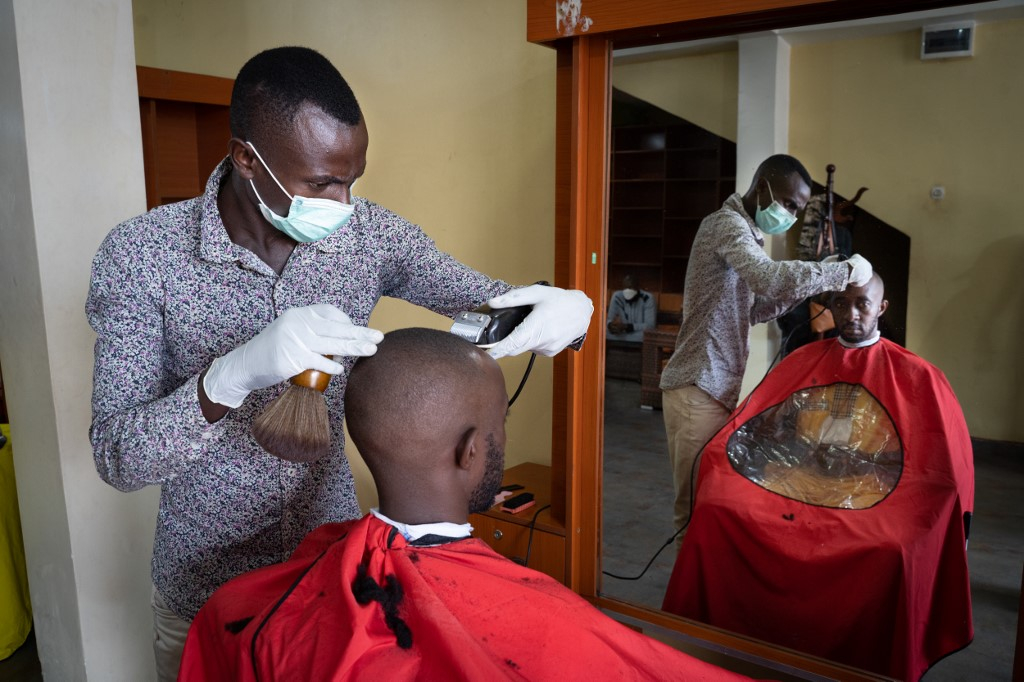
(762, 129)
(70, 169)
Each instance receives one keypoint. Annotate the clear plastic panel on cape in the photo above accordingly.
(831, 446)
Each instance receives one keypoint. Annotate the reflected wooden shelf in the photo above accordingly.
(664, 179)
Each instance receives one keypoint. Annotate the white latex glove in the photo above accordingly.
(860, 270)
(296, 341)
(559, 317)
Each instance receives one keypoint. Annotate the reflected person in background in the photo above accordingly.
(631, 311)
(732, 284)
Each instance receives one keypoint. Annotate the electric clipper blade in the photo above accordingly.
(487, 326)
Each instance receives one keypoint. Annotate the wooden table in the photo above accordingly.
(659, 343)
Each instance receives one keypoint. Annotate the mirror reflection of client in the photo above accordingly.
(405, 593)
(852, 543)
(832, 445)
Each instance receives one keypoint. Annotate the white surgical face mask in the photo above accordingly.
(774, 219)
(309, 219)
(629, 294)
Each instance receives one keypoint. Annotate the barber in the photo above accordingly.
(732, 284)
(203, 308)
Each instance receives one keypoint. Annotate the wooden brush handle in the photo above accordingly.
(312, 378)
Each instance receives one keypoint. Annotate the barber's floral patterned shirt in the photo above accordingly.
(732, 284)
(170, 293)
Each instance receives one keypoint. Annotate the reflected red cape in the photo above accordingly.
(885, 588)
(472, 615)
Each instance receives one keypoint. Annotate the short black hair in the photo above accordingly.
(782, 166)
(272, 86)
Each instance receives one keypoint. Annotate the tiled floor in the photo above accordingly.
(637, 521)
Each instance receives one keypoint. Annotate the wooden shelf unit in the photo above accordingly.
(185, 131)
(665, 179)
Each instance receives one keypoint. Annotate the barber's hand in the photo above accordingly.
(296, 341)
(860, 270)
(558, 318)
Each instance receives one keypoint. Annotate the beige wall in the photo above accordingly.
(460, 110)
(900, 125)
(701, 88)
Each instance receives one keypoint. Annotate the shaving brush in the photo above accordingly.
(295, 426)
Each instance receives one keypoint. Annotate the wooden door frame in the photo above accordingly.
(582, 140)
(581, 210)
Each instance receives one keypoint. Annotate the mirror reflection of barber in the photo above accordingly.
(731, 285)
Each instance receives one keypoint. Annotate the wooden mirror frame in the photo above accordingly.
(582, 139)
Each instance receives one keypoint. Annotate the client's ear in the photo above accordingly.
(466, 450)
(882, 307)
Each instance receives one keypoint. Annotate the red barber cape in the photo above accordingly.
(470, 613)
(872, 572)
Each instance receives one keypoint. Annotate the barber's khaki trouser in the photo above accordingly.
(692, 417)
(169, 633)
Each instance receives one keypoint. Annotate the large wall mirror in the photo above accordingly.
(684, 135)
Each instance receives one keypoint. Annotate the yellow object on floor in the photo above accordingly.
(15, 609)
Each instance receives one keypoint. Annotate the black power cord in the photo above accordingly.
(529, 541)
(526, 374)
(693, 470)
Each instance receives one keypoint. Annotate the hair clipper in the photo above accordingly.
(486, 326)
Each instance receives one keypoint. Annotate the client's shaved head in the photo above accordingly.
(411, 382)
(427, 414)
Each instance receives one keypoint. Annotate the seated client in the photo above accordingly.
(405, 593)
(832, 510)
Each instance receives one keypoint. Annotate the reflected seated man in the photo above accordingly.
(833, 509)
(405, 593)
(630, 312)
